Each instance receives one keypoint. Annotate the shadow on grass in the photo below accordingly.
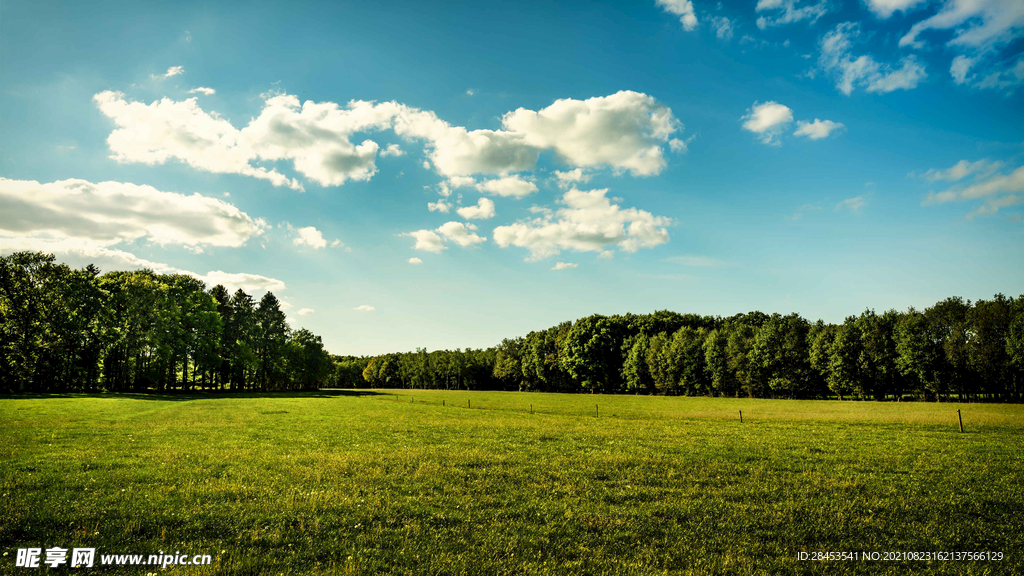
(175, 396)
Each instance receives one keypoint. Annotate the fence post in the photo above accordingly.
(741, 416)
(961, 419)
(597, 412)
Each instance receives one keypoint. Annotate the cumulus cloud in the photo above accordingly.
(570, 177)
(625, 131)
(305, 311)
(786, 12)
(836, 58)
(414, 260)
(512, 186)
(203, 90)
(108, 213)
(767, 120)
(426, 240)
(681, 8)
(483, 210)
(564, 266)
(590, 222)
(152, 134)
(885, 8)
(461, 233)
(364, 308)
(439, 206)
(310, 236)
(392, 150)
(999, 79)
(818, 129)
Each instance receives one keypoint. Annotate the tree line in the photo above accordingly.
(63, 330)
(952, 350)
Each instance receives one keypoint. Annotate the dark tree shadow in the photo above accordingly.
(173, 396)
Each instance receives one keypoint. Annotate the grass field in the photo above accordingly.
(392, 482)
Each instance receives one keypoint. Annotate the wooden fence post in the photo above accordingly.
(961, 419)
(741, 416)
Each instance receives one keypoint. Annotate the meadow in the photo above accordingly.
(443, 482)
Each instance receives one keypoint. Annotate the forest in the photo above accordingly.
(954, 350)
(67, 330)
(76, 330)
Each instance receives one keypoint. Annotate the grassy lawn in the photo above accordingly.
(394, 482)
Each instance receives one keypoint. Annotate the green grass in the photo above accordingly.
(396, 483)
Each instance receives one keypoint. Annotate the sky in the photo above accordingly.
(449, 174)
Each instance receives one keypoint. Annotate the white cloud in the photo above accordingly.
(681, 8)
(305, 311)
(885, 8)
(392, 150)
(439, 206)
(624, 131)
(203, 90)
(460, 233)
(818, 129)
(172, 71)
(852, 204)
(470, 92)
(564, 266)
(310, 236)
(152, 134)
(414, 260)
(483, 210)
(461, 181)
(569, 177)
(513, 186)
(364, 308)
(767, 120)
(837, 59)
(588, 223)
(723, 27)
(962, 169)
(959, 68)
(697, 261)
(77, 252)
(996, 190)
(979, 24)
(787, 12)
(108, 213)
(426, 240)
(336, 243)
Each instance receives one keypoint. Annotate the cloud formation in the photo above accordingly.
(996, 190)
(564, 266)
(108, 213)
(818, 129)
(625, 131)
(786, 12)
(767, 120)
(837, 59)
(364, 308)
(681, 8)
(483, 210)
(305, 311)
(310, 236)
(510, 186)
(590, 222)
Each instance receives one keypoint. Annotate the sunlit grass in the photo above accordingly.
(397, 483)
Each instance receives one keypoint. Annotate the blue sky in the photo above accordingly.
(448, 174)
